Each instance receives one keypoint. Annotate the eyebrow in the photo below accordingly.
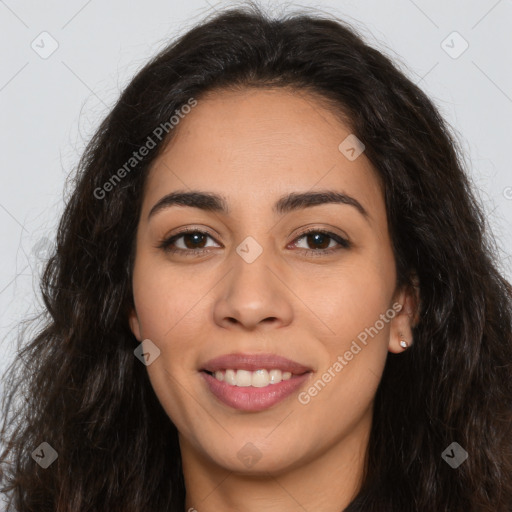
(212, 202)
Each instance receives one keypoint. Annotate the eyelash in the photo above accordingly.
(166, 243)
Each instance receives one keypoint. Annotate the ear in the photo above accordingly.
(135, 324)
(408, 317)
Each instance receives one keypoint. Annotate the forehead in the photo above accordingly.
(256, 144)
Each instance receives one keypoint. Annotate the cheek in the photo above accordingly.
(168, 313)
(354, 306)
(351, 297)
(354, 356)
(164, 300)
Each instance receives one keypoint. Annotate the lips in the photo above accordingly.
(253, 398)
(253, 362)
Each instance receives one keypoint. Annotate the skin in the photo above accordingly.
(252, 147)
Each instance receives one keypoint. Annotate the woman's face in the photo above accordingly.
(248, 283)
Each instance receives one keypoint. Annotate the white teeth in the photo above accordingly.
(243, 378)
(230, 377)
(276, 376)
(257, 379)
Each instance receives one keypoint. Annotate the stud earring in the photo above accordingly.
(403, 343)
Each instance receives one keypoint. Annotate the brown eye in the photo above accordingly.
(318, 242)
(193, 242)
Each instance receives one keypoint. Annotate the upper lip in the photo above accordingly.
(253, 362)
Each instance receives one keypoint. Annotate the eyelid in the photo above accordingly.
(167, 240)
(325, 231)
(342, 241)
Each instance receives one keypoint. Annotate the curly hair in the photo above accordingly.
(90, 399)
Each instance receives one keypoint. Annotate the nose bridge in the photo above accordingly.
(254, 252)
(251, 292)
(251, 277)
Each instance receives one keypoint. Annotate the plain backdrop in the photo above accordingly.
(64, 64)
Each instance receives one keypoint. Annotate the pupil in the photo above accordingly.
(319, 237)
(196, 237)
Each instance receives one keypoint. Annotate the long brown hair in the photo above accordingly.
(90, 399)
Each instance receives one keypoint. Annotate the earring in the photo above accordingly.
(403, 343)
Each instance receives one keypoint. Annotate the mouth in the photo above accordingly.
(254, 362)
(253, 382)
(260, 378)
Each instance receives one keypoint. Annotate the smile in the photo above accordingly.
(258, 379)
(253, 382)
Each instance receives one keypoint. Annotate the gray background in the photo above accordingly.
(51, 106)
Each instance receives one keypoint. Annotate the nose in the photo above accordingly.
(253, 295)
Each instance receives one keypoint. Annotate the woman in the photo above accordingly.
(271, 291)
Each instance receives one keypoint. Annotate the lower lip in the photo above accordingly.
(254, 399)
